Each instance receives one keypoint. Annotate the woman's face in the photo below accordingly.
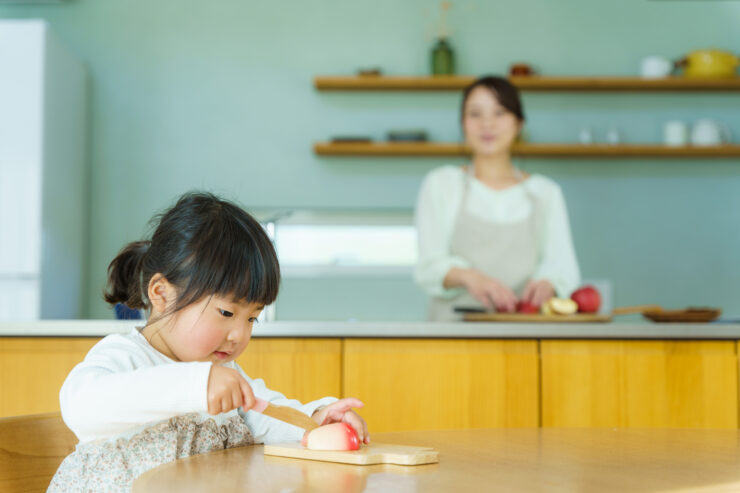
(488, 126)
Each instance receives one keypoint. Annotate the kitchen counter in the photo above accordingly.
(426, 330)
(629, 373)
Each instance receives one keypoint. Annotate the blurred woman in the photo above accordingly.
(490, 235)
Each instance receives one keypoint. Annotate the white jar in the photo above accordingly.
(706, 132)
(676, 133)
(654, 67)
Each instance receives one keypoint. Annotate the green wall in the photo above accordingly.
(218, 95)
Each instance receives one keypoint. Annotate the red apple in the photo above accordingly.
(527, 307)
(587, 298)
(336, 436)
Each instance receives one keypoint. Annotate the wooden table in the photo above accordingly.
(506, 459)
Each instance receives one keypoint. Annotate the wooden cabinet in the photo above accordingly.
(443, 384)
(677, 384)
(303, 369)
(33, 369)
(424, 384)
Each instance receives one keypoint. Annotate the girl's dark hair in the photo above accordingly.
(203, 245)
(504, 91)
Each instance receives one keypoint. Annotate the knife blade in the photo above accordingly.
(286, 414)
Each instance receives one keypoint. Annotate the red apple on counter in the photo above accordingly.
(336, 436)
(527, 307)
(587, 298)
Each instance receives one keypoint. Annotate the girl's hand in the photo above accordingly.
(491, 293)
(341, 411)
(228, 390)
(538, 292)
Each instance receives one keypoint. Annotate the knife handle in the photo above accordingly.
(286, 414)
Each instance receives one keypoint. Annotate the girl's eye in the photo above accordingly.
(225, 313)
(253, 320)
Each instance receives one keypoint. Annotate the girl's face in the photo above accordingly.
(213, 329)
(488, 126)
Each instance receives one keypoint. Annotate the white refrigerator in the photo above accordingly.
(43, 174)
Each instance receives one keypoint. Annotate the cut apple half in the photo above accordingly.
(559, 306)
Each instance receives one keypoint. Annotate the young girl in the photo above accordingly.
(172, 389)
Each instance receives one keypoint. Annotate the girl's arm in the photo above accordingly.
(269, 430)
(558, 262)
(105, 395)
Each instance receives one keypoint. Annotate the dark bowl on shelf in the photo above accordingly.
(407, 136)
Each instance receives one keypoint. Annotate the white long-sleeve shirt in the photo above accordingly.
(124, 384)
(437, 208)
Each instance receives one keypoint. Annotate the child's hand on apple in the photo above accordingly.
(341, 412)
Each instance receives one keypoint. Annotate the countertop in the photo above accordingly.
(349, 329)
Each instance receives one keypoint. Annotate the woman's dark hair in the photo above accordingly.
(203, 245)
(504, 91)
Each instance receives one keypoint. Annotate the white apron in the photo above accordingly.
(507, 252)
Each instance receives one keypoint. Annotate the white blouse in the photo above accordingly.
(125, 385)
(437, 209)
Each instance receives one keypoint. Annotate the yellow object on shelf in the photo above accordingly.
(710, 64)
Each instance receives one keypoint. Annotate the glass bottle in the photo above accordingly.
(443, 58)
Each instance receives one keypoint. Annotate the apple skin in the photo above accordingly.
(587, 298)
(527, 307)
(336, 436)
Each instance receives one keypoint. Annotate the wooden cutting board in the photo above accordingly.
(536, 317)
(375, 453)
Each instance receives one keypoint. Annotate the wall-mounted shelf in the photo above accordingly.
(525, 150)
(530, 83)
(333, 271)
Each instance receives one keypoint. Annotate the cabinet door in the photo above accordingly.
(691, 384)
(32, 371)
(303, 369)
(443, 384)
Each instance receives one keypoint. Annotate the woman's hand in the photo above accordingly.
(341, 411)
(538, 292)
(228, 390)
(491, 293)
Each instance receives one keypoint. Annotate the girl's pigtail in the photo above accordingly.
(124, 276)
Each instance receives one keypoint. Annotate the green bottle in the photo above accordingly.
(443, 58)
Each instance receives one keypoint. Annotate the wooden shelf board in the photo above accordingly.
(530, 83)
(532, 150)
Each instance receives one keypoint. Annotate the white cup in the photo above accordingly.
(706, 132)
(676, 133)
(655, 67)
(613, 136)
(585, 136)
